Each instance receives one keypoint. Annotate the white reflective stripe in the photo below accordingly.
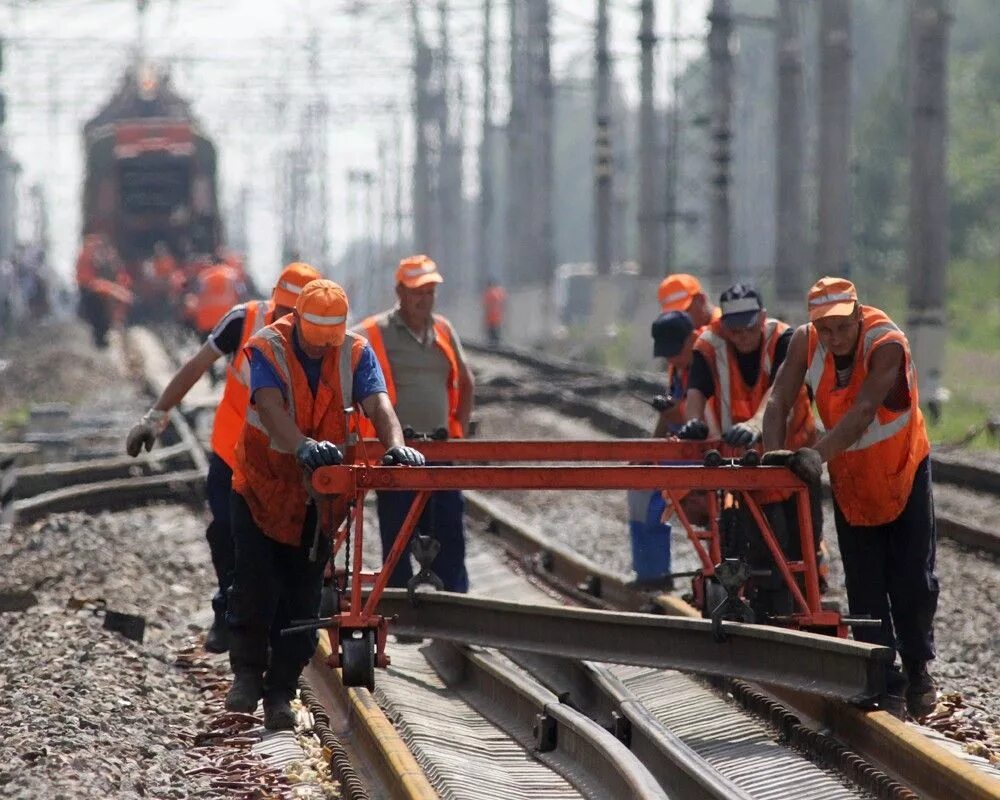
(722, 391)
(253, 322)
(740, 305)
(412, 272)
(673, 298)
(288, 286)
(877, 432)
(826, 299)
(770, 328)
(876, 332)
(319, 319)
(284, 372)
(814, 374)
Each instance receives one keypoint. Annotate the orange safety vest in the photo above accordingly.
(873, 478)
(734, 401)
(442, 338)
(494, 299)
(231, 413)
(217, 293)
(271, 480)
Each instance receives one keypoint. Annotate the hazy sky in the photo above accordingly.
(244, 65)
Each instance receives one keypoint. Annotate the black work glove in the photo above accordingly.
(775, 458)
(662, 402)
(313, 455)
(807, 464)
(144, 432)
(403, 456)
(742, 434)
(693, 429)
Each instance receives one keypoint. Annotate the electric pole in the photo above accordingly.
(929, 202)
(834, 225)
(518, 157)
(721, 76)
(789, 257)
(484, 239)
(423, 222)
(603, 162)
(542, 248)
(673, 140)
(650, 216)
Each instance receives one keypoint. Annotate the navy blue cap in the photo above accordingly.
(670, 332)
(740, 304)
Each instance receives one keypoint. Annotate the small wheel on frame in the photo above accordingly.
(713, 458)
(357, 657)
(751, 458)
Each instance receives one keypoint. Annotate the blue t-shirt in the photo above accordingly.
(368, 377)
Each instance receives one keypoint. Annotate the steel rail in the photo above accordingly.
(585, 754)
(826, 665)
(595, 691)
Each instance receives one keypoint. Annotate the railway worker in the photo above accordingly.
(219, 288)
(683, 292)
(431, 386)
(733, 367)
(857, 363)
(226, 340)
(494, 306)
(306, 370)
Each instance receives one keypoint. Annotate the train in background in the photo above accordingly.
(151, 221)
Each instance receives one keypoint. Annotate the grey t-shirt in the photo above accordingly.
(420, 372)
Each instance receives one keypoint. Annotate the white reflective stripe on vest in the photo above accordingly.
(724, 390)
(347, 385)
(253, 322)
(877, 432)
(815, 372)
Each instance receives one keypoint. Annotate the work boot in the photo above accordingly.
(278, 714)
(894, 700)
(246, 691)
(921, 694)
(217, 640)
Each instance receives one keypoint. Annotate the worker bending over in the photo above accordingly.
(430, 386)
(733, 367)
(226, 340)
(857, 364)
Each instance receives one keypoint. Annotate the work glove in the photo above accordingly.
(693, 429)
(775, 458)
(662, 403)
(804, 462)
(403, 456)
(313, 455)
(144, 433)
(742, 434)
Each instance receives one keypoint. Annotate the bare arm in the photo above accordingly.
(383, 417)
(672, 416)
(186, 377)
(883, 372)
(284, 433)
(787, 385)
(466, 391)
(694, 405)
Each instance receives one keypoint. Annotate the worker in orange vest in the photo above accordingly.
(494, 306)
(306, 373)
(219, 288)
(683, 292)
(735, 361)
(227, 340)
(431, 386)
(857, 364)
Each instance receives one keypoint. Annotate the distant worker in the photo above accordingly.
(218, 289)
(494, 307)
(227, 339)
(673, 339)
(733, 367)
(857, 363)
(164, 263)
(297, 421)
(683, 292)
(431, 386)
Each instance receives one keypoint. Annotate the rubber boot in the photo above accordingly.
(245, 692)
(650, 539)
(921, 693)
(278, 714)
(217, 640)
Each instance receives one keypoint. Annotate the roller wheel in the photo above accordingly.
(357, 658)
(713, 458)
(751, 458)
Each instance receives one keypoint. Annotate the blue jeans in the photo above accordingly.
(218, 487)
(442, 519)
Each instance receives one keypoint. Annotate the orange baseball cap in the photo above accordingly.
(832, 297)
(322, 313)
(291, 281)
(677, 291)
(416, 271)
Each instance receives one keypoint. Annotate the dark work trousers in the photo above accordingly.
(273, 584)
(218, 487)
(442, 519)
(889, 571)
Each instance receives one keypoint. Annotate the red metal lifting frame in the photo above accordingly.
(640, 470)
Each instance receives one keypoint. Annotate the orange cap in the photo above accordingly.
(322, 313)
(677, 291)
(832, 297)
(416, 271)
(291, 281)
